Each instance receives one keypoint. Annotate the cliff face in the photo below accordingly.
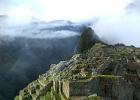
(103, 72)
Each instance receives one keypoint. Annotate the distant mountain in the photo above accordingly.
(27, 50)
(40, 29)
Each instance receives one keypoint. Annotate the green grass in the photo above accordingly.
(22, 93)
(47, 96)
(17, 98)
(94, 98)
(109, 76)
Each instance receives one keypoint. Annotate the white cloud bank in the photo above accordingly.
(117, 20)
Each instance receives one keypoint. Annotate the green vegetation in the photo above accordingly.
(47, 96)
(94, 98)
(56, 95)
(109, 77)
(50, 95)
(17, 98)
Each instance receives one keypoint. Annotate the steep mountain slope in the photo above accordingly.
(104, 72)
(27, 50)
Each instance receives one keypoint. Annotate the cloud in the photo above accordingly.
(123, 28)
(134, 7)
(74, 10)
(120, 29)
(117, 20)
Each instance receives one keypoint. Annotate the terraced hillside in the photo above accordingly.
(104, 72)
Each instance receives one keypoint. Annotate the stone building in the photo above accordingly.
(107, 87)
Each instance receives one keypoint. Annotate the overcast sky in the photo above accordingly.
(74, 10)
(117, 20)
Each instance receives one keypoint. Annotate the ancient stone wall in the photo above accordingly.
(65, 88)
(44, 90)
(116, 89)
(123, 91)
(80, 88)
(56, 86)
(106, 87)
(84, 88)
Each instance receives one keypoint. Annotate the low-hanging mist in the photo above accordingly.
(36, 28)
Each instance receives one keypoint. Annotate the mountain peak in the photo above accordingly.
(87, 40)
